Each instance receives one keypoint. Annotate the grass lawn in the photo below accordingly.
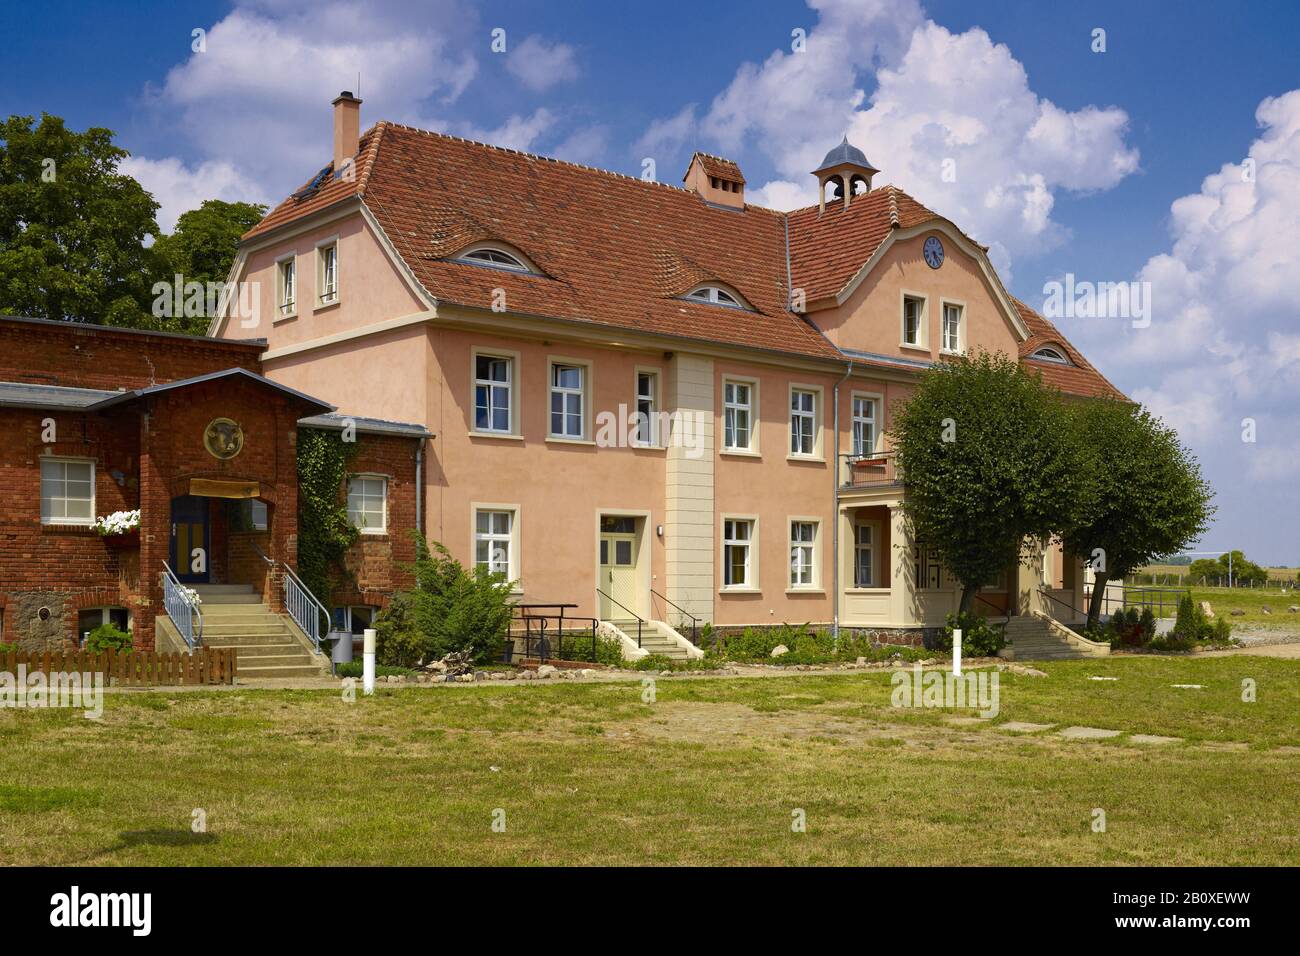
(707, 774)
(1252, 602)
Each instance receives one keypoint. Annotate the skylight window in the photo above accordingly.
(494, 258)
(1049, 354)
(715, 295)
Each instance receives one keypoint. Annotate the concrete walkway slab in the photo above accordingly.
(967, 721)
(1089, 733)
(1153, 739)
(1024, 727)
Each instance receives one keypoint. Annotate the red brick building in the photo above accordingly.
(185, 429)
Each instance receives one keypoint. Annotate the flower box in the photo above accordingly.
(123, 541)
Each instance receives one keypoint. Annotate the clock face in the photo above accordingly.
(933, 252)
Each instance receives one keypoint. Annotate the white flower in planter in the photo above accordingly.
(119, 522)
(190, 595)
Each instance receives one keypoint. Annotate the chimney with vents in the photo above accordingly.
(347, 129)
(717, 180)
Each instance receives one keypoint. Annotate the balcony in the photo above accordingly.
(877, 470)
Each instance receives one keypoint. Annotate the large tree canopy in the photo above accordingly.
(75, 233)
(72, 228)
(988, 463)
(1149, 497)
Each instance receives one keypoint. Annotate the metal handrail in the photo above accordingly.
(301, 605)
(1074, 612)
(543, 646)
(639, 621)
(695, 621)
(180, 608)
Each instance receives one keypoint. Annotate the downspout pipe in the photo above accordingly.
(835, 514)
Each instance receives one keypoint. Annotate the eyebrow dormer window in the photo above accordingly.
(715, 295)
(494, 257)
(1048, 354)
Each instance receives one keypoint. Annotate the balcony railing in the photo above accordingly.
(878, 469)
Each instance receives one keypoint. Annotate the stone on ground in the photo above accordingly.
(1152, 739)
(1088, 733)
(1024, 726)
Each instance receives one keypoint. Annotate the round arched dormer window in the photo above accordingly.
(717, 294)
(1050, 353)
(496, 256)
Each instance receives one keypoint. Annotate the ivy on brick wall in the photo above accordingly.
(324, 532)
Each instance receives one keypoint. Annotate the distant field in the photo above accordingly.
(1279, 575)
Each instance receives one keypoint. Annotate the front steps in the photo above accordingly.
(1035, 637)
(266, 644)
(656, 638)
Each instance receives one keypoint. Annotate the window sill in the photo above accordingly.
(287, 317)
(500, 436)
(808, 459)
(821, 591)
(914, 348)
(372, 533)
(740, 590)
(952, 351)
(59, 526)
(867, 590)
(323, 306)
(640, 447)
(560, 440)
(739, 453)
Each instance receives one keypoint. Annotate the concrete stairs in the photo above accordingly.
(655, 639)
(266, 643)
(1034, 637)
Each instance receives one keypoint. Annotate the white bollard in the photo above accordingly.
(956, 651)
(368, 662)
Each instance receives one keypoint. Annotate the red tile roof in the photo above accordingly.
(719, 167)
(1080, 378)
(618, 251)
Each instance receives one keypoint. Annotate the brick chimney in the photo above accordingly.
(717, 180)
(347, 129)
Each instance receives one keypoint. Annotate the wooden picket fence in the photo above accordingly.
(131, 668)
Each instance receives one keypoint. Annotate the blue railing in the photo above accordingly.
(303, 606)
(183, 608)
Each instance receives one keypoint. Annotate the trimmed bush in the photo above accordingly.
(107, 638)
(979, 638)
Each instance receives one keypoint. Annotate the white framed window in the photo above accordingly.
(569, 400)
(67, 491)
(247, 514)
(738, 569)
(864, 564)
(950, 333)
(803, 422)
(803, 552)
(89, 618)
(864, 425)
(368, 503)
(1050, 354)
(494, 383)
(494, 540)
(716, 295)
(352, 618)
(914, 321)
(495, 257)
(286, 281)
(647, 408)
(327, 273)
(738, 415)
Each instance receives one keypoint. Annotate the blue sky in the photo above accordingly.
(1067, 160)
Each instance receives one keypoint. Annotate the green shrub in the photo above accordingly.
(8, 648)
(979, 638)
(654, 662)
(1148, 624)
(399, 640)
(578, 647)
(107, 638)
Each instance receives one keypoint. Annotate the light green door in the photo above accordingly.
(617, 576)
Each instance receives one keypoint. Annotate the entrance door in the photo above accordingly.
(617, 575)
(190, 533)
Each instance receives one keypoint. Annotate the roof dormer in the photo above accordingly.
(717, 180)
(848, 168)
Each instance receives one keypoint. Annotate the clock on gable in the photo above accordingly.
(933, 252)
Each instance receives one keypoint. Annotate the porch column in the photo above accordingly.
(902, 569)
(1028, 577)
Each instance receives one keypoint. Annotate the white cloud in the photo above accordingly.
(667, 137)
(937, 96)
(1223, 346)
(179, 188)
(540, 64)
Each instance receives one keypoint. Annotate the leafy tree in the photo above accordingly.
(988, 464)
(1206, 568)
(202, 249)
(72, 228)
(1148, 494)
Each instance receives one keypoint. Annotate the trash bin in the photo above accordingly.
(341, 653)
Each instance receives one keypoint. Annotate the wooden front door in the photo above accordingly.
(617, 576)
(191, 534)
